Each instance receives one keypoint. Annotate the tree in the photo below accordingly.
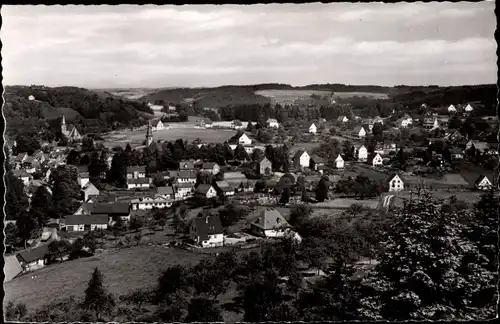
(11, 234)
(137, 297)
(322, 189)
(240, 153)
(15, 198)
(203, 310)
(41, 206)
(26, 227)
(230, 214)
(285, 196)
(299, 215)
(97, 299)
(58, 249)
(65, 190)
(15, 312)
(135, 223)
(73, 157)
(118, 172)
(264, 136)
(257, 155)
(173, 279)
(262, 295)
(137, 238)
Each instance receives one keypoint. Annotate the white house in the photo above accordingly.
(158, 125)
(313, 129)
(469, 108)
(271, 122)
(211, 167)
(452, 108)
(270, 224)
(138, 183)
(244, 140)
(89, 190)
(301, 159)
(224, 188)
(184, 176)
(206, 190)
(31, 97)
(33, 259)
(361, 152)
(339, 162)
(343, 119)
(207, 231)
(396, 183)
(359, 131)
(183, 190)
(83, 179)
(136, 172)
(404, 122)
(145, 203)
(80, 223)
(483, 183)
(236, 124)
(165, 192)
(375, 159)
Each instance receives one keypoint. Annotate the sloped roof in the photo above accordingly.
(186, 174)
(208, 165)
(271, 219)
(318, 159)
(184, 185)
(203, 188)
(237, 123)
(298, 154)
(168, 190)
(393, 175)
(207, 225)
(89, 186)
(234, 175)
(480, 178)
(136, 168)
(357, 129)
(111, 208)
(12, 268)
(34, 254)
(186, 164)
(139, 180)
(87, 219)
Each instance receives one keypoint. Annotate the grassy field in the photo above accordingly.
(186, 131)
(372, 95)
(283, 95)
(124, 270)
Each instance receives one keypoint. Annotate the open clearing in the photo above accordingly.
(284, 95)
(124, 270)
(372, 95)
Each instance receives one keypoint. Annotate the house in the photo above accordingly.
(19, 159)
(211, 167)
(396, 183)
(247, 186)
(89, 190)
(207, 231)
(452, 108)
(136, 172)
(145, 203)
(478, 145)
(33, 259)
(273, 123)
(186, 165)
(339, 162)
(184, 176)
(165, 192)
(375, 159)
(80, 223)
(313, 129)
(287, 180)
(40, 156)
(483, 183)
(70, 131)
(264, 166)
(361, 152)
(24, 176)
(468, 108)
(83, 179)
(456, 154)
(206, 190)
(183, 190)
(244, 140)
(270, 224)
(12, 268)
(31, 97)
(404, 122)
(234, 178)
(342, 119)
(359, 131)
(207, 123)
(138, 183)
(158, 125)
(378, 119)
(431, 123)
(316, 162)
(301, 159)
(236, 124)
(114, 210)
(454, 137)
(224, 188)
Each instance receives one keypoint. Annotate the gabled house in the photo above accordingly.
(342, 119)
(264, 166)
(359, 131)
(184, 176)
(483, 183)
(244, 140)
(431, 123)
(224, 188)
(146, 203)
(80, 223)
(33, 259)
(457, 154)
(24, 176)
(272, 123)
(361, 152)
(452, 108)
(206, 191)
(207, 231)
(316, 162)
(113, 210)
(395, 183)
(157, 125)
(403, 122)
(313, 129)
(89, 190)
(236, 124)
(375, 159)
(138, 183)
(186, 165)
(165, 192)
(301, 159)
(210, 167)
(339, 162)
(468, 108)
(183, 190)
(83, 179)
(270, 224)
(136, 172)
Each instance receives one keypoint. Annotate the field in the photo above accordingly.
(288, 95)
(371, 95)
(124, 270)
(186, 131)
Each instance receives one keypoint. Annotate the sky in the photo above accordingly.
(211, 45)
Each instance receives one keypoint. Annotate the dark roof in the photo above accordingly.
(186, 165)
(165, 190)
(138, 168)
(87, 219)
(186, 174)
(207, 225)
(480, 178)
(318, 159)
(298, 154)
(203, 188)
(237, 123)
(184, 185)
(393, 175)
(33, 254)
(111, 208)
(208, 165)
(357, 129)
(139, 180)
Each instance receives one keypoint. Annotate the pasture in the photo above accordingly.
(371, 95)
(289, 95)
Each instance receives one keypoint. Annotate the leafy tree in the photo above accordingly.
(322, 189)
(257, 155)
(174, 279)
(138, 297)
(264, 136)
(65, 190)
(137, 238)
(15, 312)
(203, 310)
(299, 215)
(240, 153)
(135, 223)
(73, 157)
(58, 249)
(27, 143)
(26, 227)
(262, 295)
(118, 172)
(41, 206)
(10, 234)
(15, 198)
(231, 214)
(285, 196)
(97, 299)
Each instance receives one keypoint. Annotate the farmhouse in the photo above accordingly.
(211, 167)
(378, 119)
(273, 123)
(145, 203)
(244, 140)
(468, 108)
(136, 172)
(313, 129)
(183, 190)
(138, 183)
(236, 124)
(375, 159)
(206, 190)
(361, 152)
(343, 119)
(184, 176)
(264, 166)
(395, 183)
(89, 191)
(165, 192)
(452, 108)
(113, 210)
(224, 188)
(207, 231)
(359, 131)
(316, 162)
(207, 123)
(339, 162)
(80, 223)
(33, 259)
(301, 159)
(157, 125)
(483, 183)
(270, 224)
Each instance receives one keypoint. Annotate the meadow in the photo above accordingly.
(284, 95)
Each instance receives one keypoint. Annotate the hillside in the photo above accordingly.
(78, 105)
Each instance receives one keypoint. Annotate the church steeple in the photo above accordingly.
(149, 135)
(63, 125)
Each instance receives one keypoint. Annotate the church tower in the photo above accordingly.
(149, 135)
(63, 126)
